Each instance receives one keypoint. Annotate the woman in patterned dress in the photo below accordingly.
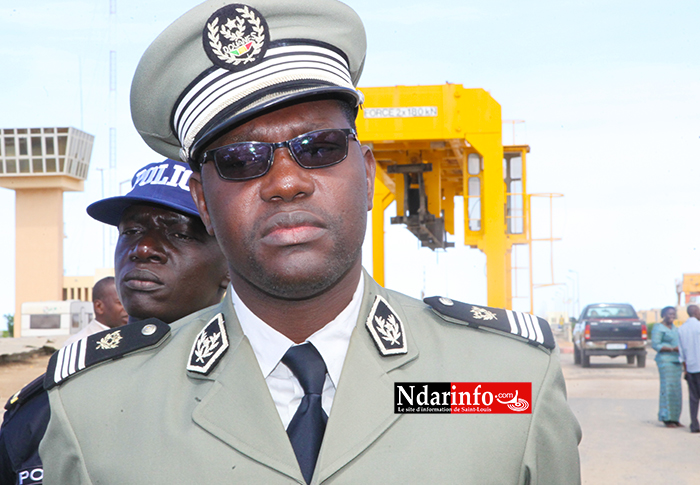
(664, 339)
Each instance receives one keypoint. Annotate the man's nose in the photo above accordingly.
(148, 248)
(286, 180)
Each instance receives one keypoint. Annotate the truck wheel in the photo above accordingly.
(577, 355)
(630, 359)
(585, 359)
(641, 360)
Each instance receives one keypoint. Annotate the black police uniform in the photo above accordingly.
(24, 424)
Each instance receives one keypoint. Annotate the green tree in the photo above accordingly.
(10, 319)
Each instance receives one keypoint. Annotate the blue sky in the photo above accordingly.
(609, 90)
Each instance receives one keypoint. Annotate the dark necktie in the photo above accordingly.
(306, 429)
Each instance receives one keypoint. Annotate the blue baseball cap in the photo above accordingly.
(163, 184)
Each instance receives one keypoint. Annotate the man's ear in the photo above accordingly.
(370, 171)
(99, 307)
(197, 193)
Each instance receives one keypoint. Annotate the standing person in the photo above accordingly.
(689, 350)
(166, 264)
(109, 311)
(308, 371)
(664, 339)
(167, 267)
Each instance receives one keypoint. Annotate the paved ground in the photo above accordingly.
(22, 347)
(623, 442)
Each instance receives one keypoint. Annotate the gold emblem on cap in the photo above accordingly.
(242, 48)
(109, 341)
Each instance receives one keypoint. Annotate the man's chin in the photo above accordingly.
(301, 285)
(141, 307)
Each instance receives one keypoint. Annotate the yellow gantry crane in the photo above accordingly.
(433, 143)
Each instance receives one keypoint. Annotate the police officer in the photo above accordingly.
(308, 371)
(167, 266)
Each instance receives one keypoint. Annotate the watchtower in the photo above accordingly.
(39, 164)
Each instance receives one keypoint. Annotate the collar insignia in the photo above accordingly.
(209, 346)
(386, 328)
(236, 37)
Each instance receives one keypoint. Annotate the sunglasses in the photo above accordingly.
(251, 159)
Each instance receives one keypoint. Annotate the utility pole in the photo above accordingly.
(104, 226)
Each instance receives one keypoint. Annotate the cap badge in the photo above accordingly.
(236, 37)
(109, 341)
(483, 314)
(386, 328)
(209, 346)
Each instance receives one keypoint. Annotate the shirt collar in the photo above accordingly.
(331, 341)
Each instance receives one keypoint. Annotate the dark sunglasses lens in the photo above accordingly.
(320, 148)
(242, 161)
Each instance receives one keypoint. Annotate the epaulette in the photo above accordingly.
(26, 393)
(533, 330)
(107, 345)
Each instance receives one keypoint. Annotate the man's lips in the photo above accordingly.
(292, 228)
(141, 280)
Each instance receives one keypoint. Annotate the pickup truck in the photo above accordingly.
(611, 329)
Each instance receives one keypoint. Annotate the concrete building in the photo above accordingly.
(39, 164)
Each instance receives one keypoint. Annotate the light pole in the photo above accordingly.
(102, 182)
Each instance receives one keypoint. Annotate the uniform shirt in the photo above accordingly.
(90, 329)
(689, 348)
(269, 346)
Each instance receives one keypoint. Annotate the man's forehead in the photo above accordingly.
(256, 132)
(287, 122)
(142, 212)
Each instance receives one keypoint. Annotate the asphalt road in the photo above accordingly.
(623, 441)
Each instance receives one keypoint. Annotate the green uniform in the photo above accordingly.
(152, 421)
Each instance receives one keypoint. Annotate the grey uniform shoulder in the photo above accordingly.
(522, 326)
(103, 346)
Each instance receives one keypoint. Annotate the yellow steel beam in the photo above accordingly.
(433, 182)
(448, 203)
(384, 190)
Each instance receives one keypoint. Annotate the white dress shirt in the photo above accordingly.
(90, 329)
(689, 344)
(269, 345)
